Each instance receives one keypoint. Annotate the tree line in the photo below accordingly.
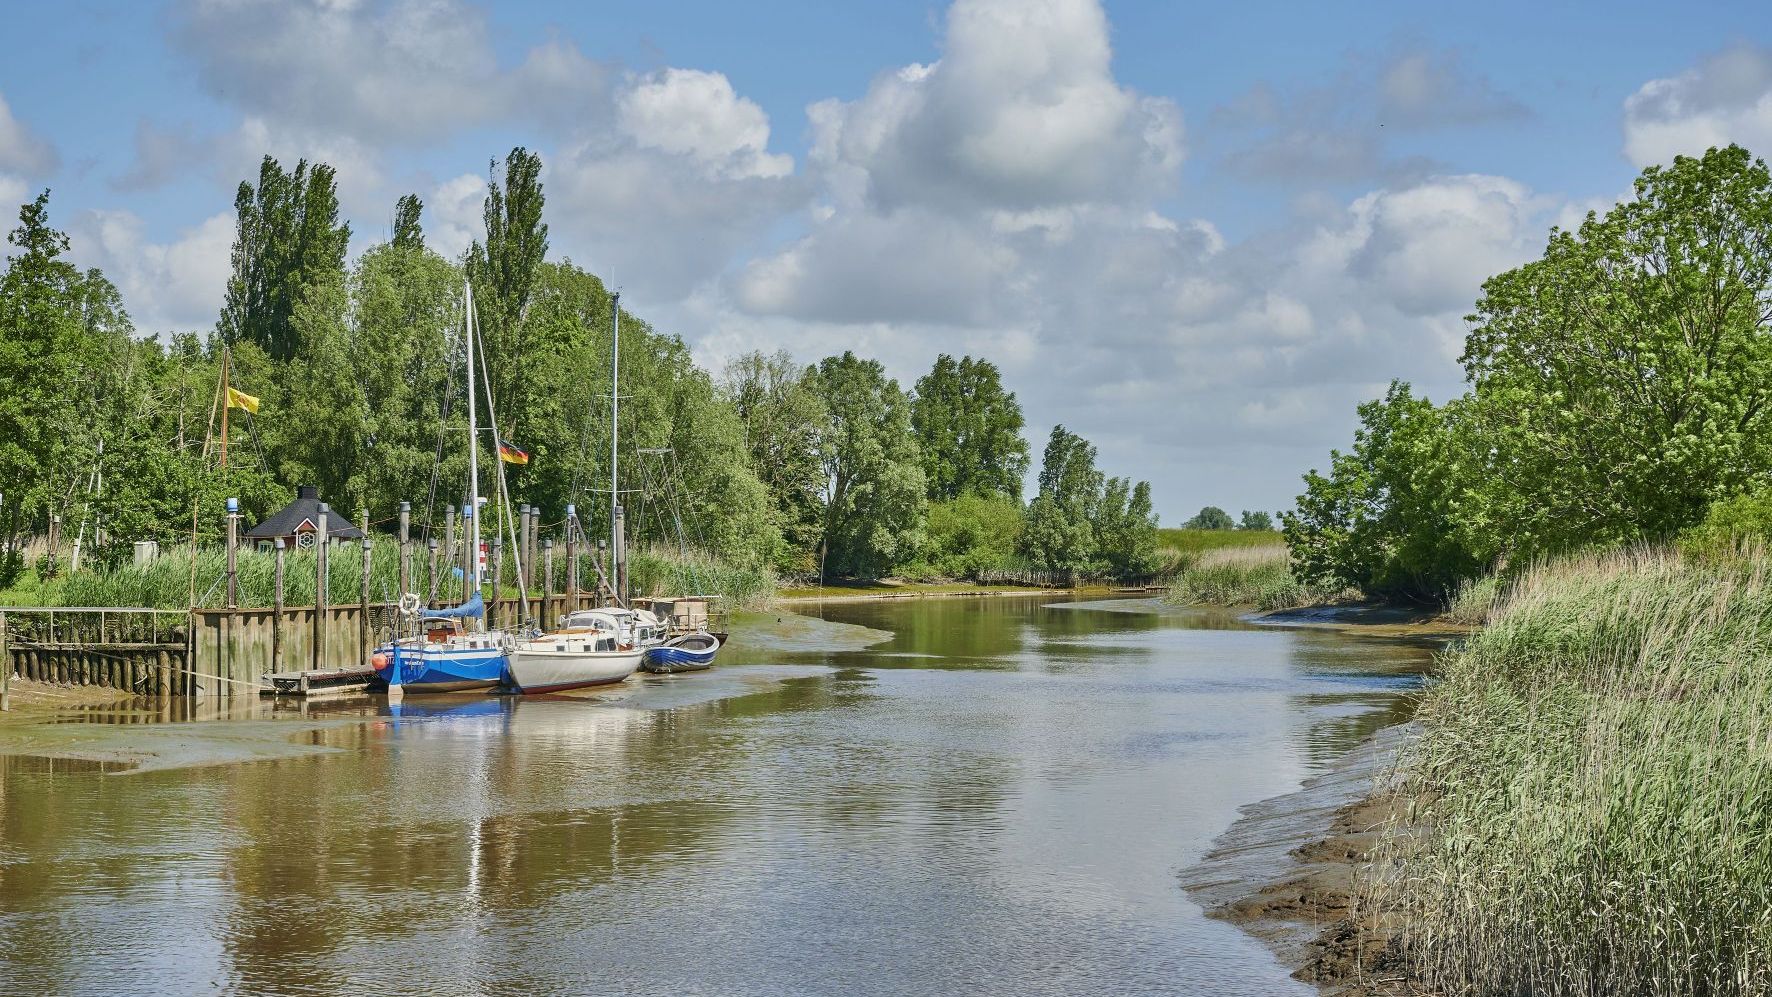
(357, 366)
(1620, 392)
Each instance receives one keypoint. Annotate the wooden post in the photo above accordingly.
(448, 542)
(547, 581)
(320, 600)
(363, 645)
(571, 559)
(277, 609)
(405, 547)
(233, 553)
(620, 555)
(603, 582)
(470, 559)
(431, 572)
(5, 666)
(498, 574)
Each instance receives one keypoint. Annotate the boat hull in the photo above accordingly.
(682, 654)
(537, 670)
(443, 669)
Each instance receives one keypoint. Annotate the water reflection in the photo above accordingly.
(995, 799)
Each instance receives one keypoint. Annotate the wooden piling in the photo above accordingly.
(320, 599)
(431, 572)
(405, 547)
(363, 647)
(498, 572)
(5, 666)
(571, 559)
(547, 581)
(277, 609)
(449, 542)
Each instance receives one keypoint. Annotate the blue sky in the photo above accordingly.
(1199, 234)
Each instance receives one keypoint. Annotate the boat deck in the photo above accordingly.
(319, 682)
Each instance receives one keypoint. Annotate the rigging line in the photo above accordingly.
(437, 460)
(503, 492)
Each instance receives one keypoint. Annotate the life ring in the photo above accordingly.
(409, 603)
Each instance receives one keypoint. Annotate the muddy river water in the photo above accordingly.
(969, 796)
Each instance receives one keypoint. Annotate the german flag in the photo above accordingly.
(512, 455)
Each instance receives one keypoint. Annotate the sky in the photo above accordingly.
(1197, 234)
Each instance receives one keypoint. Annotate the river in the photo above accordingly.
(997, 797)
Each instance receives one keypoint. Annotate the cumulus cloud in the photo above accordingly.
(1021, 111)
(174, 286)
(1726, 98)
(1338, 131)
(697, 114)
(412, 71)
(23, 152)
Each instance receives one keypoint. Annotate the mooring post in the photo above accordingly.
(571, 560)
(470, 559)
(547, 580)
(362, 618)
(603, 582)
(448, 541)
(620, 554)
(233, 553)
(431, 572)
(498, 574)
(363, 610)
(321, 602)
(277, 608)
(405, 547)
(5, 667)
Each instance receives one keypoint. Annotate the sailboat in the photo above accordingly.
(596, 646)
(452, 650)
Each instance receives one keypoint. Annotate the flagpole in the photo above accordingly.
(227, 403)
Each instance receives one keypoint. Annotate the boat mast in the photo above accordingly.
(617, 555)
(473, 449)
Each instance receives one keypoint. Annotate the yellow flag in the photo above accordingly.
(242, 400)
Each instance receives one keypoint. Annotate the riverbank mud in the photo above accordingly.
(1370, 619)
(1289, 869)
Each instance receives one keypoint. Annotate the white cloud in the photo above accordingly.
(1726, 98)
(23, 151)
(1022, 111)
(383, 71)
(175, 286)
(696, 114)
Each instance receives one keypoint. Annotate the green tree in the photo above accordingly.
(504, 270)
(784, 419)
(1126, 528)
(1211, 518)
(409, 234)
(875, 491)
(288, 237)
(969, 429)
(1622, 381)
(1387, 518)
(1060, 531)
(1257, 520)
(973, 534)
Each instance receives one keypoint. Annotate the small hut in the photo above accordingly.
(298, 523)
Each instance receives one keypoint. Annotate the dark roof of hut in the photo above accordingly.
(288, 520)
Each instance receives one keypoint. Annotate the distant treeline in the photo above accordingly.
(1620, 392)
(357, 368)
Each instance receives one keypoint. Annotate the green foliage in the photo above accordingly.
(784, 417)
(288, 238)
(1258, 576)
(1126, 529)
(875, 506)
(1259, 521)
(504, 272)
(1190, 544)
(1592, 811)
(1384, 519)
(969, 430)
(1621, 387)
(1060, 530)
(408, 233)
(1211, 518)
(973, 534)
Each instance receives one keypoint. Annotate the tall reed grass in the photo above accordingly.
(1259, 576)
(1593, 788)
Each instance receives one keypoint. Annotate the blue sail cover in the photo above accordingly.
(472, 609)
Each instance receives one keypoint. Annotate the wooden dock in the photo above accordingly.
(315, 682)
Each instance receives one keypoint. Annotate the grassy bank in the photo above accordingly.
(1190, 544)
(1249, 575)
(1593, 788)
